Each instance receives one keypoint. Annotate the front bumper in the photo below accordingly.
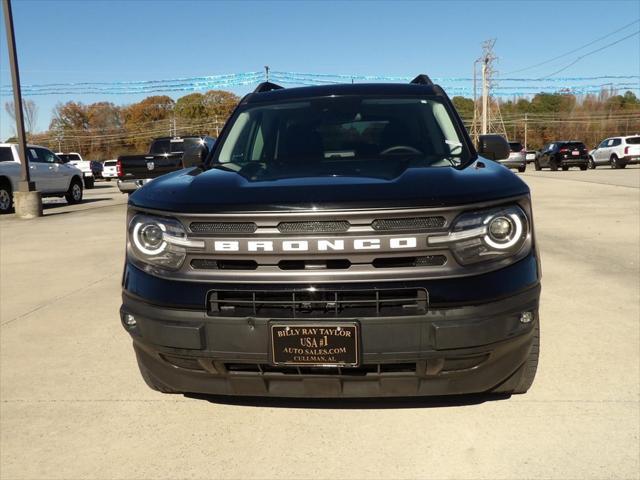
(450, 349)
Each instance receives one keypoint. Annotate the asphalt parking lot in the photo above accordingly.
(74, 406)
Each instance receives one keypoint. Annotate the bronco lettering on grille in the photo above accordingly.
(316, 245)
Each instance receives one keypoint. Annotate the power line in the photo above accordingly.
(574, 50)
(591, 53)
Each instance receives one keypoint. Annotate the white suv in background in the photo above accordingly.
(617, 152)
(110, 170)
(76, 160)
(51, 176)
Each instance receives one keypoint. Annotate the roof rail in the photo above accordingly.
(422, 79)
(267, 87)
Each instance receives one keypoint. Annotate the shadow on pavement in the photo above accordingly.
(353, 403)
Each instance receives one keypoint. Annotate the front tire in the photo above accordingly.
(615, 163)
(6, 197)
(592, 164)
(89, 183)
(522, 168)
(553, 165)
(530, 366)
(74, 194)
(536, 165)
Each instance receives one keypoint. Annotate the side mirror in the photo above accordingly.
(195, 156)
(493, 147)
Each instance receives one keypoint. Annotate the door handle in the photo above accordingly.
(32, 167)
(51, 168)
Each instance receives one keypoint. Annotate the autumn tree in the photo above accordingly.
(147, 119)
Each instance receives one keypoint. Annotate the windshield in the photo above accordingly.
(69, 157)
(174, 145)
(353, 136)
(516, 146)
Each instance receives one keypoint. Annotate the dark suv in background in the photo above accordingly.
(563, 154)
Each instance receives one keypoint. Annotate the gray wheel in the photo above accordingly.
(530, 367)
(6, 197)
(592, 164)
(615, 163)
(74, 194)
(536, 165)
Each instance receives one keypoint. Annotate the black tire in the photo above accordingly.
(6, 197)
(592, 164)
(522, 169)
(89, 183)
(583, 167)
(530, 366)
(72, 194)
(553, 165)
(108, 179)
(564, 169)
(536, 165)
(151, 381)
(614, 162)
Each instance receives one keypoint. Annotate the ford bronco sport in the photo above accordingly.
(337, 241)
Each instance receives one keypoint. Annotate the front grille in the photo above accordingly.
(223, 227)
(374, 369)
(314, 227)
(209, 264)
(416, 223)
(403, 262)
(314, 303)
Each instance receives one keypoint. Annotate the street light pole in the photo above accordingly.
(28, 203)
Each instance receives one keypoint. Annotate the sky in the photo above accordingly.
(60, 41)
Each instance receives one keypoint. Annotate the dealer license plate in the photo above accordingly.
(318, 344)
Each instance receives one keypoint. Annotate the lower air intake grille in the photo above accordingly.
(222, 227)
(418, 223)
(317, 303)
(314, 227)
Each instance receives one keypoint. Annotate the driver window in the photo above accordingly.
(34, 156)
(45, 155)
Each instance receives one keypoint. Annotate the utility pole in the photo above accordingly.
(28, 202)
(491, 118)
(266, 72)
(525, 130)
(485, 97)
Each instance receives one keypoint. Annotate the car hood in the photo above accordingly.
(216, 190)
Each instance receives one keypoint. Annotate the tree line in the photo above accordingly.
(104, 130)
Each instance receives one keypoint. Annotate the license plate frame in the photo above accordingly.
(301, 336)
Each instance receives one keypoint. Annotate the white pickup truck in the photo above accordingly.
(52, 177)
(76, 160)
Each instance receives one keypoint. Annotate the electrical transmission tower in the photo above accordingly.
(486, 114)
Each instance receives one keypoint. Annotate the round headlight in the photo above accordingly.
(504, 231)
(151, 236)
(500, 228)
(148, 237)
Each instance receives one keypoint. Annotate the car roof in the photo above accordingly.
(29, 145)
(181, 137)
(379, 89)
